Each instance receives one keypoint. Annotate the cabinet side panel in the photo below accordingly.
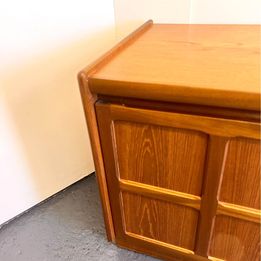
(89, 100)
(235, 240)
(159, 220)
(171, 158)
(241, 178)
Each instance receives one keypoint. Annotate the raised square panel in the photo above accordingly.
(241, 175)
(235, 240)
(160, 156)
(160, 220)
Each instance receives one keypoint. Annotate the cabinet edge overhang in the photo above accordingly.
(175, 93)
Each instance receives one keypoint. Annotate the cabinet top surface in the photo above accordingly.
(223, 60)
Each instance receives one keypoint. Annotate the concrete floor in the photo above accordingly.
(68, 226)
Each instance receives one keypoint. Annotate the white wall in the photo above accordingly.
(129, 14)
(225, 12)
(44, 145)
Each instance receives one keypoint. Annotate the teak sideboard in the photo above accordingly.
(173, 113)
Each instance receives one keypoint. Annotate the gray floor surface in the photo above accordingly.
(68, 226)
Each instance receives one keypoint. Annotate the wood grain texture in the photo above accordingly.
(241, 179)
(106, 136)
(160, 156)
(175, 197)
(217, 149)
(245, 213)
(160, 220)
(154, 247)
(235, 240)
(159, 249)
(210, 125)
(215, 65)
(88, 100)
(157, 242)
(114, 51)
(211, 65)
(149, 124)
(88, 104)
(215, 259)
(185, 108)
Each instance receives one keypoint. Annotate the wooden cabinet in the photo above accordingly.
(178, 166)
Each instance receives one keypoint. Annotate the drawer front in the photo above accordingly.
(167, 176)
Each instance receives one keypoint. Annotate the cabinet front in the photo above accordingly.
(182, 187)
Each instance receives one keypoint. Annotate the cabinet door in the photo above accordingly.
(236, 233)
(163, 171)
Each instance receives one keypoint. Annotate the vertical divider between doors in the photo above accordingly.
(216, 156)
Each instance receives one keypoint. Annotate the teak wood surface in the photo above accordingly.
(176, 146)
(154, 181)
(216, 65)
